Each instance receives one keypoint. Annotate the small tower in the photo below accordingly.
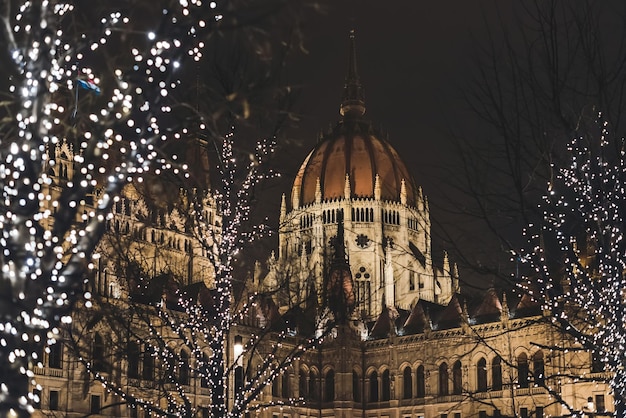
(339, 285)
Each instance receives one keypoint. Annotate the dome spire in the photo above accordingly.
(353, 100)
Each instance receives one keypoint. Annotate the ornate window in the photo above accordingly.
(421, 382)
(457, 378)
(363, 299)
(407, 383)
(302, 384)
(275, 388)
(443, 379)
(538, 368)
(362, 240)
(284, 390)
(147, 372)
(597, 364)
(522, 370)
(97, 353)
(133, 360)
(238, 378)
(183, 368)
(55, 355)
(356, 386)
(481, 375)
(329, 386)
(386, 386)
(374, 387)
(313, 393)
(496, 374)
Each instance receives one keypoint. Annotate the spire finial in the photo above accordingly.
(353, 100)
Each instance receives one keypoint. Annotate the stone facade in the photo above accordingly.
(411, 346)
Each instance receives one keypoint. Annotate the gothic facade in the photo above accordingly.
(354, 240)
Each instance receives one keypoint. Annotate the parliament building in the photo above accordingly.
(355, 241)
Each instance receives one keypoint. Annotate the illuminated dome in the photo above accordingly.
(355, 149)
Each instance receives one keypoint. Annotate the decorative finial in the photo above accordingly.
(353, 100)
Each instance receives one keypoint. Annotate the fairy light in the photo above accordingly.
(586, 202)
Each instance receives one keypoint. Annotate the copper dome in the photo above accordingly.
(353, 148)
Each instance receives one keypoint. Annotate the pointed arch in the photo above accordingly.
(538, 368)
(481, 375)
(522, 370)
(329, 386)
(373, 380)
(407, 383)
(420, 377)
(457, 378)
(496, 373)
(443, 379)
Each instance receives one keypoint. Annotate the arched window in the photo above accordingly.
(55, 355)
(421, 382)
(407, 380)
(132, 349)
(356, 386)
(329, 386)
(496, 374)
(183, 368)
(597, 363)
(238, 378)
(386, 386)
(98, 353)
(374, 387)
(538, 368)
(147, 372)
(275, 387)
(457, 378)
(313, 393)
(302, 384)
(481, 375)
(203, 367)
(522, 370)
(443, 379)
(284, 387)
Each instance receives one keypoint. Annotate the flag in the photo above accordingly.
(88, 85)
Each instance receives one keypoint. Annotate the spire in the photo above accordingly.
(318, 191)
(283, 207)
(339, 291)
(353, 100)
(377, 187)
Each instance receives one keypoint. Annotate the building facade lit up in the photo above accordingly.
(354, 239)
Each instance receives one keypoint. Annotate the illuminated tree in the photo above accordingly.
(542, 75)
(583, 234)
(109, 79)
